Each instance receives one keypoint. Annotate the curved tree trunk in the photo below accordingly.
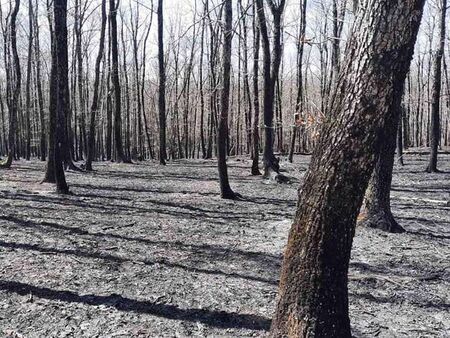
(313, 295)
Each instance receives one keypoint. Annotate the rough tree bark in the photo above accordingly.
(435, 128)
(95, 98)
(225, 189)
(313, 295)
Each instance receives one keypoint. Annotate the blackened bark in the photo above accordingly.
(60, 71)
(113, 6)
(28, 82)
(400, 136)
(435, 128)
(95, 99)
(13, 103)
(50, 170)
(300, 95)
(162, 87)
(40, 97)
(270, 73)
(225, 188)
(255, 129)
(313, 296)
(378, 212)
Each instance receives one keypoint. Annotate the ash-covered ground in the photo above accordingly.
(151, 251)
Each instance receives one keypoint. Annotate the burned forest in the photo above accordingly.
(224, 168)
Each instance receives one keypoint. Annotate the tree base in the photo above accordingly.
(230, 195)
(71, 166)
(255, 171)
(383, 220)
(63, 191)
(271, 174)
(433, 170)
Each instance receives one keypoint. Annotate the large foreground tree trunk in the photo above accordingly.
(313, 295)
(225, 188)
(435, 128)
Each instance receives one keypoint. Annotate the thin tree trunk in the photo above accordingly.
(225, 189)
(14, 101)
(60, 70)
(95, 99)
(113, 6)
(162, 87)
(255, 129)
(435, 128)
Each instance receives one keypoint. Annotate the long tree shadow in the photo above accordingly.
(220, 319)
(271, 262)
(399, 300)
(175, 209)
(117, 259)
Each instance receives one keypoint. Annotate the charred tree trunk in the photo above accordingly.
(225, 188)
(13, 103)
(313, 295)
(270, 73)
(377, 201)
(113, 7)
(300, 95)
(40, 97)
(435, 128)
(255, 129)
(95, 99)
(401, 127)
(162, 87)
(60, 69)
(28, 82)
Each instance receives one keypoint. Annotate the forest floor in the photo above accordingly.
(150, 251)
